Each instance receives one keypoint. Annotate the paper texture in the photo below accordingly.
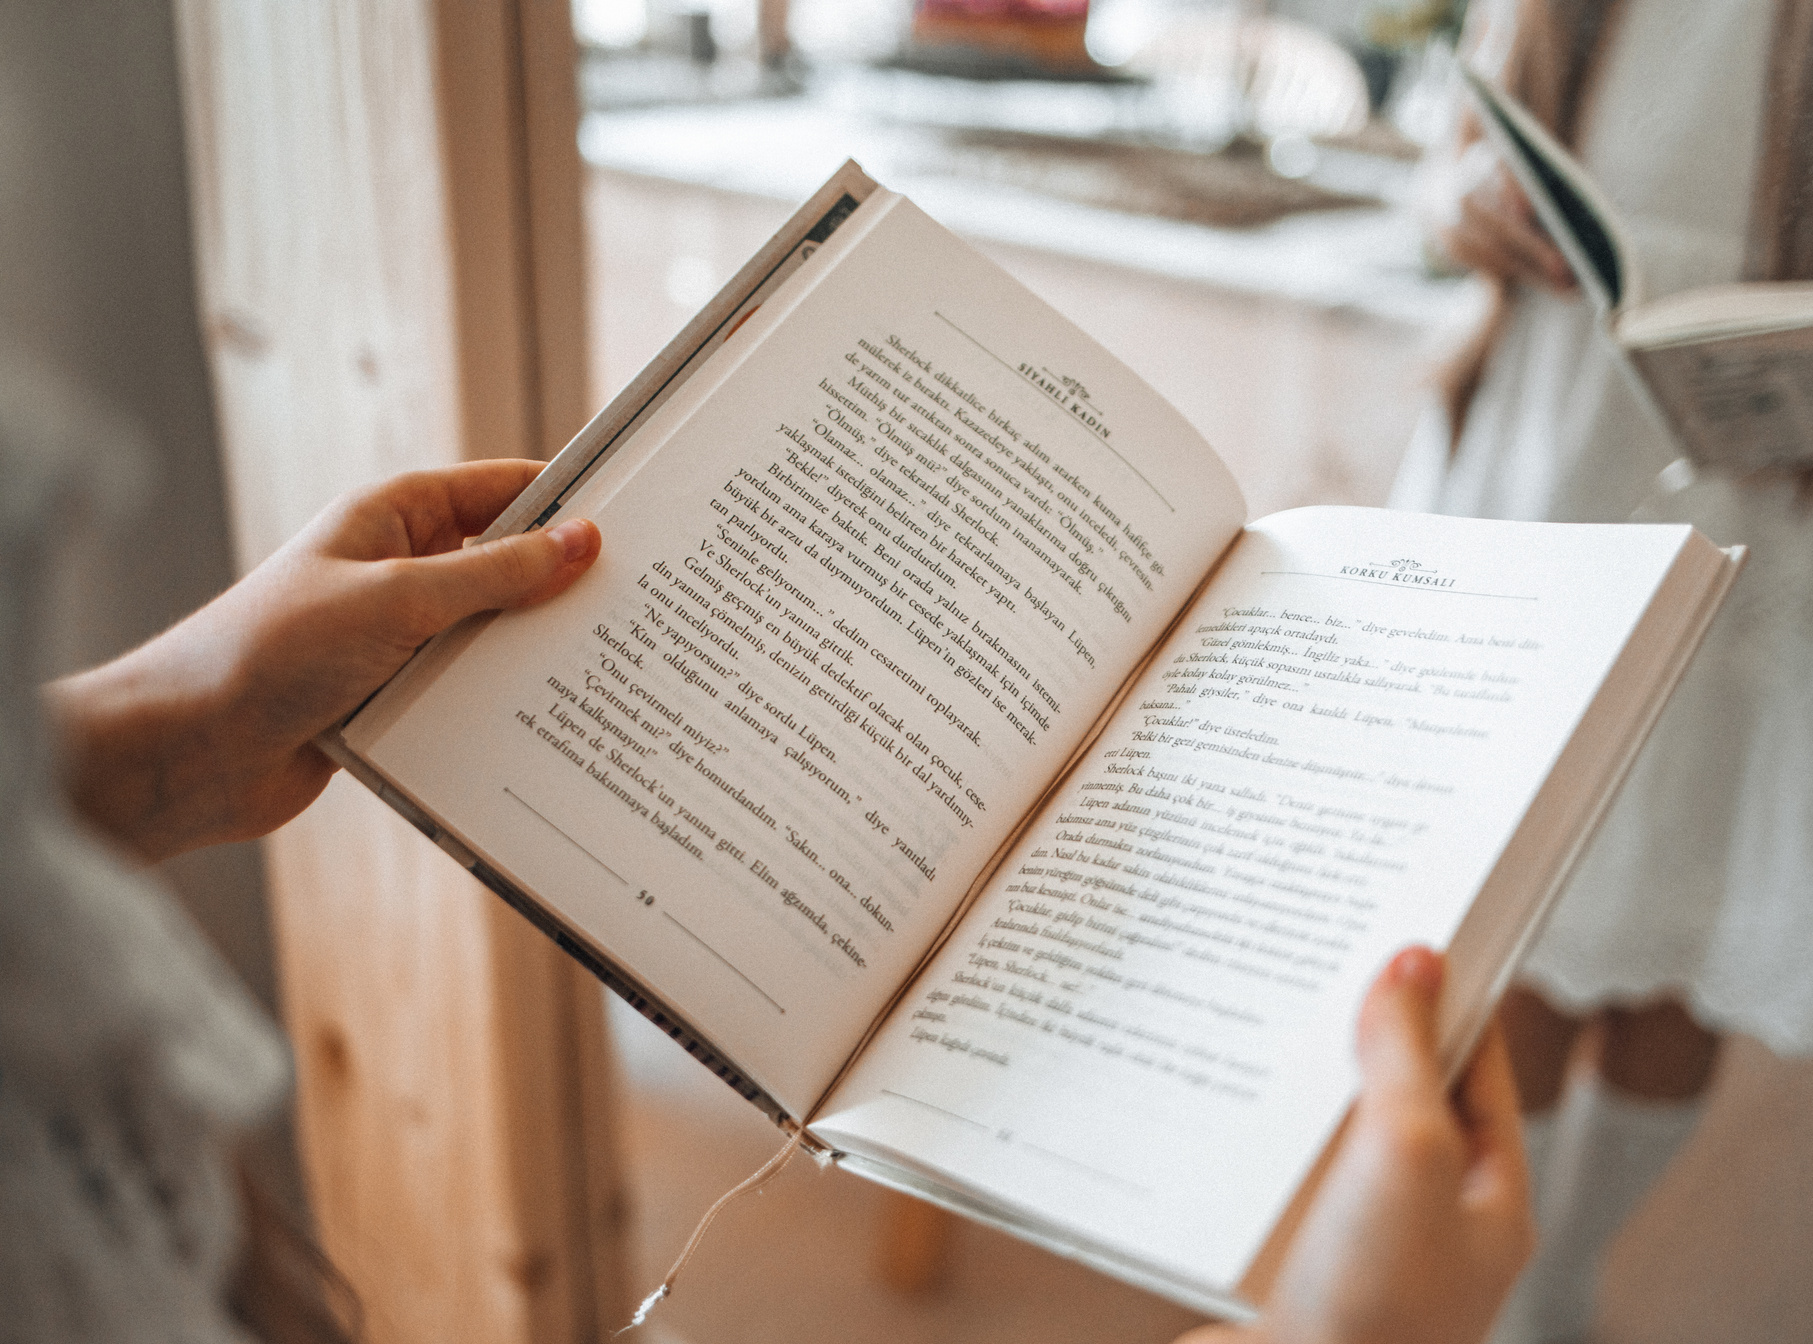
(865, 583)
(1147, 1020)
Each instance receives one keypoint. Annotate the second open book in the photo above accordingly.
(1728, 369)
(936, 753)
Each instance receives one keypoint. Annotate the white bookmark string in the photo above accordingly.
(768, 1171)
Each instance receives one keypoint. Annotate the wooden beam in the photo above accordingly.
(509, 126)
(387, 235)
(555, 196)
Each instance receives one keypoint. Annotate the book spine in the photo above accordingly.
(809, 227)
(570, 941)
(631, 992)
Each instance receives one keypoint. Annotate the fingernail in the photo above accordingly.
(574, 542)
(1416, 966)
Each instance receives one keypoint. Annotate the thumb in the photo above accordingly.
(1397, 1031)
(514, 571)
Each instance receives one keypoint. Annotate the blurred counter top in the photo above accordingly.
(1361, 260)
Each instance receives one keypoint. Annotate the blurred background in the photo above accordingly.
(1223, 192)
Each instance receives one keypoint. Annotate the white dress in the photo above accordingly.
(1700, 884)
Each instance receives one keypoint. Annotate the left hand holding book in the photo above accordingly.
(205, 734)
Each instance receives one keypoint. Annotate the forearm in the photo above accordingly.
(144, 743)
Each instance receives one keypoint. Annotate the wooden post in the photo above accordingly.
(386, 203)
(913, 1252)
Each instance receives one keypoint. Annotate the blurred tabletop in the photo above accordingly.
(1300, 345)
(1049, 169)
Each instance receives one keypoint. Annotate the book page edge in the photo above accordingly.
(1463, 1019)
(569, 939)
(606, 430)
(1185, 1292)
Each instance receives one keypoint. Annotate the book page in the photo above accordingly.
(1142, 1031)
(1738, 403)
(865, 584)
(1713, 312)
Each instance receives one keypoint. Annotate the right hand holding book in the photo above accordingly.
(1424, 1220)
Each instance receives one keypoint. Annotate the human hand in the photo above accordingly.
(1423, 1222)
(205, 734)
(1493, 228)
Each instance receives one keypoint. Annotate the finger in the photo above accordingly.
(1511, 233)
(1489, 1114)
(513, 571)
(1534, 244)
(1479, 240)
(1482, 230)
(454, 503)
(1468, 246)
(1396, 1038)
(478, 491)
(419, 512)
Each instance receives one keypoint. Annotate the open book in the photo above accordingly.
(1728, 368)
(935, 753)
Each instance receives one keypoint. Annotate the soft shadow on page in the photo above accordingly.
(1142, 1030)
(864, 586)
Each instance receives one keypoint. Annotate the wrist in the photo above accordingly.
(137, 735)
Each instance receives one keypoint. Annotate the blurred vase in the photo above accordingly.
(1047, 34)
